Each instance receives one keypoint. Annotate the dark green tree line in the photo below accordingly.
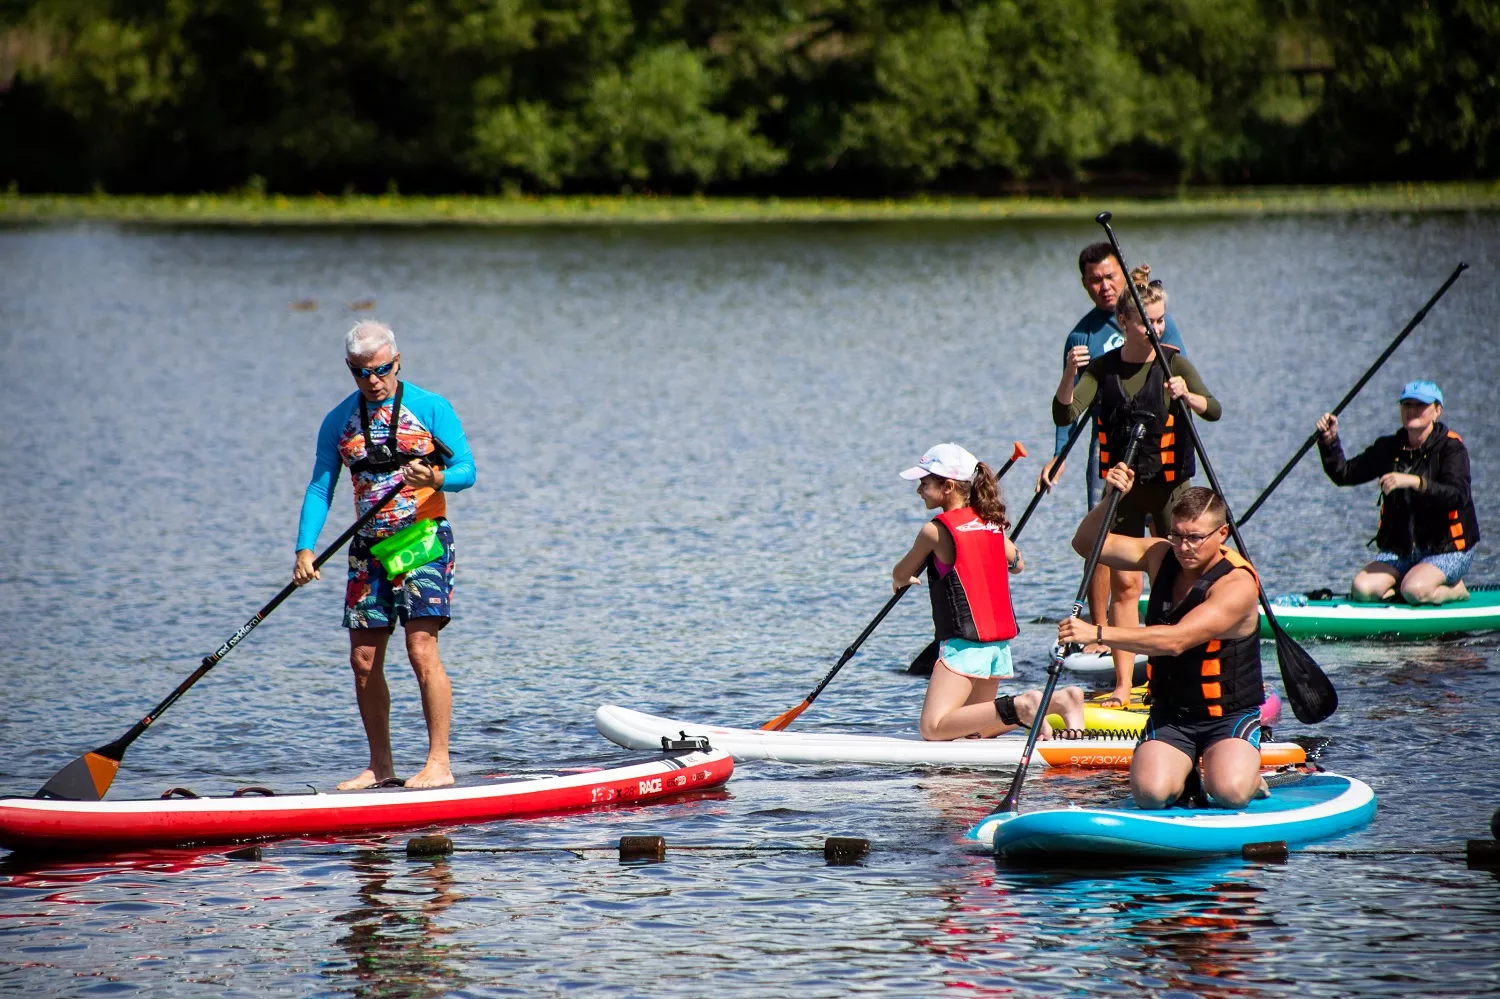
(762, 96)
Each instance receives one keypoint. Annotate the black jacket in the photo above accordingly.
(1439, 516)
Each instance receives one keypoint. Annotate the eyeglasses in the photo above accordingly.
(1190, 541)
(380, 371)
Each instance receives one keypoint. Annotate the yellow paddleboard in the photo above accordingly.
(1105, 720)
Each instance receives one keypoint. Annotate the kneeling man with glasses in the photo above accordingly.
(1202, 634)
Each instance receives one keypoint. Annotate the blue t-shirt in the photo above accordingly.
(341, 441)
(1100, 334)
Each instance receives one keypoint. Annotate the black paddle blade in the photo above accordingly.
(86, 778)
(925, 661)
(1308, 688)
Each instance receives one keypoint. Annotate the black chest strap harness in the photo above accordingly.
(386, 457)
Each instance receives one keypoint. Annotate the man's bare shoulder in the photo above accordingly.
(1238, 587)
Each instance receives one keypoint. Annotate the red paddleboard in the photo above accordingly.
(55, 826)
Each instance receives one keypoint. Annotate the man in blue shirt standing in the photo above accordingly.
(1095, 334)
(383, 433)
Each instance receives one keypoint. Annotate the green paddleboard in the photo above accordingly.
(1340, 617)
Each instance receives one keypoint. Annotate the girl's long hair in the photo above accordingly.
(986, 499)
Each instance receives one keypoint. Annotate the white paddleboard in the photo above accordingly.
(638, 730)
(1095, 662)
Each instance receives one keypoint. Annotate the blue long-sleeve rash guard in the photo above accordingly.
(426, 412)
(1099, 332)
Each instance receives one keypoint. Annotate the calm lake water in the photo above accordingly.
(687, 442)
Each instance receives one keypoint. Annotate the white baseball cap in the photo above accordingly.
(947, 460)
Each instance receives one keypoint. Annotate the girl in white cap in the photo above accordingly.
(968, 560)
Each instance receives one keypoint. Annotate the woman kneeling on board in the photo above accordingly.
(1202, 636)
(968, 559)
(1428, 529)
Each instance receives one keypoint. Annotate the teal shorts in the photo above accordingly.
(980, 660)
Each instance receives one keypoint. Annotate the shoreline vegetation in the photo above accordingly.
(259, 209)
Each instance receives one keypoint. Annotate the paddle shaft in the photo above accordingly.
(1313, 437)
(117, 748)
(1294, 691)
(854, 647)
(1054, 668)
(1187, 414)
(1073, 436)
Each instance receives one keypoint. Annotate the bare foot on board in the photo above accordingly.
(365, 779)
(1026, 713)
(432, 775)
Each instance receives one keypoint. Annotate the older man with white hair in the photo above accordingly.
(384, 432)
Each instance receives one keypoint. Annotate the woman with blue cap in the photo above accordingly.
(1428, 530)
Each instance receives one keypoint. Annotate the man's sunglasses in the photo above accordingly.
(379, 372)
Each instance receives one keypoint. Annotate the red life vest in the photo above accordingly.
(973, 600)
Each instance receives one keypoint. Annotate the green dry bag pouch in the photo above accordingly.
(409, 548)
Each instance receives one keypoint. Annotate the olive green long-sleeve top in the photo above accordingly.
(1133, 376)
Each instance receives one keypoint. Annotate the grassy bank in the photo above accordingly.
(395, 209)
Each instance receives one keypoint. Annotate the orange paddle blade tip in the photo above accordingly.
(1019, 452)
(102, 769)
(783, 720)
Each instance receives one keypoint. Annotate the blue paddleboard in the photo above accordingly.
(1301, 808)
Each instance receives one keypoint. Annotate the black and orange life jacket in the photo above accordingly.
(1164, 455)
(972, 600)
(1411, 519)
(1218, 678)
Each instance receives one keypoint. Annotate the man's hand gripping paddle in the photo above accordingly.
(1311, 693)
(89, 776)
(784, 719)
(1054, 668)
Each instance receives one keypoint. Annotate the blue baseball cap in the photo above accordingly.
(1422, 391)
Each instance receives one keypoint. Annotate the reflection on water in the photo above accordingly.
(687, 441)
(397, 943)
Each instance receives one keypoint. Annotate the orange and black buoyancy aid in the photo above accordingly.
(1164, 454)
(1438, 519)
(972, 600)
(1218, 678)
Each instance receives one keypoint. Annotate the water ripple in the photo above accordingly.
(686, 441)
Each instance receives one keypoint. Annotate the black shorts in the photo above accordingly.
(1195, 736)
(1148, 499)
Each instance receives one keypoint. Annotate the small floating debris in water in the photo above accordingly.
(363, 305)
(845, 851)
(305, 305)
(429, 846)
(651, 849)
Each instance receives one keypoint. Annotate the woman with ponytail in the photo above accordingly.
(1126, 386)
(969, 560)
